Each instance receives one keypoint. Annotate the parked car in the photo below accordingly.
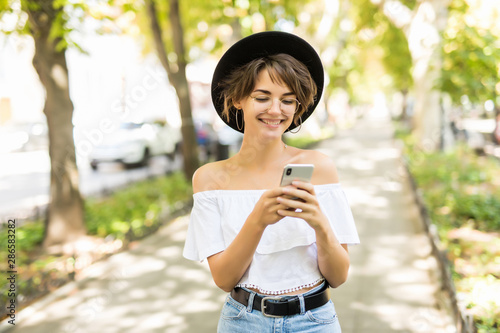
(17, 137)
(134, 143)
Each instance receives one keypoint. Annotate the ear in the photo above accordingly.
(237, 105)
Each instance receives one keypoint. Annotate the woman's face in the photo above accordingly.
(269, 109)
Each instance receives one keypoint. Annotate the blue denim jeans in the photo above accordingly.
(238, 318)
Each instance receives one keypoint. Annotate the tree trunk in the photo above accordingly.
(404, 106)
(180, 83)
(424, 38)
(178, 80)
(65, 221)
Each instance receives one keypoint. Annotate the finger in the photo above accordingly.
(280, 208)
(273, 193)
(292, 204)
(277, 206)
(291, 213)
(298, 193)
(304, 186)
(291, 197)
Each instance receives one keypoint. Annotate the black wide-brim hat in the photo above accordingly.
(264, 44)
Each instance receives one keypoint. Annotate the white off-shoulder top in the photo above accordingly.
(286, 257)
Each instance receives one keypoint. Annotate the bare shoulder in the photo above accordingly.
(204, 177)
(211, 176)
(325, 171)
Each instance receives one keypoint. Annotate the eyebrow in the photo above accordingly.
(291, 93)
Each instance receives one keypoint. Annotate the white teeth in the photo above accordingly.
(271, 122)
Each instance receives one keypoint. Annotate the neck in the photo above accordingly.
(255, 154)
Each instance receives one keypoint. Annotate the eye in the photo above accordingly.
(288, 101)
(262, 99)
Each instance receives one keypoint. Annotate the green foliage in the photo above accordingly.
(409, 3)
(202, 22)
(461, 182)
(131, 212)
(28, 237)
(462, 194)
(471, 58)
(5, 6)
(133, 209)
(376, 55)
(383, 34)
(484, 210)
(63, 17)
(397, 59)
(210, 25)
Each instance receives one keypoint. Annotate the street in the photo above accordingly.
(25, 180)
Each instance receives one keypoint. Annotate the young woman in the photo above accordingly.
(274, 249)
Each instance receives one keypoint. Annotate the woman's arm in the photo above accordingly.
(227, 267)
(333, 257)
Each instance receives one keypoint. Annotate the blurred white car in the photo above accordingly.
(134, 143)
(16, 137)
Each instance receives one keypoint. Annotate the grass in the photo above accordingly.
(134, 211)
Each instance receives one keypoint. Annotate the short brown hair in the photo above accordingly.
(282, 68)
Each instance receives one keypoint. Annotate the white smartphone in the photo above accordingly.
(293, 172)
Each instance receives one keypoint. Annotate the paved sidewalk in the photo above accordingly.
(392, 285)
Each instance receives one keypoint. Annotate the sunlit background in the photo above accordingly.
(431, 67)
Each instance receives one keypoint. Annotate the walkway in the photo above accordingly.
(151, 289)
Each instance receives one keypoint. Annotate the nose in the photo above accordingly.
(276, 107)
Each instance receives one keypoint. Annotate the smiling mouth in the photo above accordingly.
(272, 122)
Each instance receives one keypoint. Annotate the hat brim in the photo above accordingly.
(264, 44)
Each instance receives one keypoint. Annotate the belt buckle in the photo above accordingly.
(263, 305)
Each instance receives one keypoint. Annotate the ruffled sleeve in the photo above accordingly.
(204, 236)
(334, 204)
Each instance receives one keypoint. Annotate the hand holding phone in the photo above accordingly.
(291, 172)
